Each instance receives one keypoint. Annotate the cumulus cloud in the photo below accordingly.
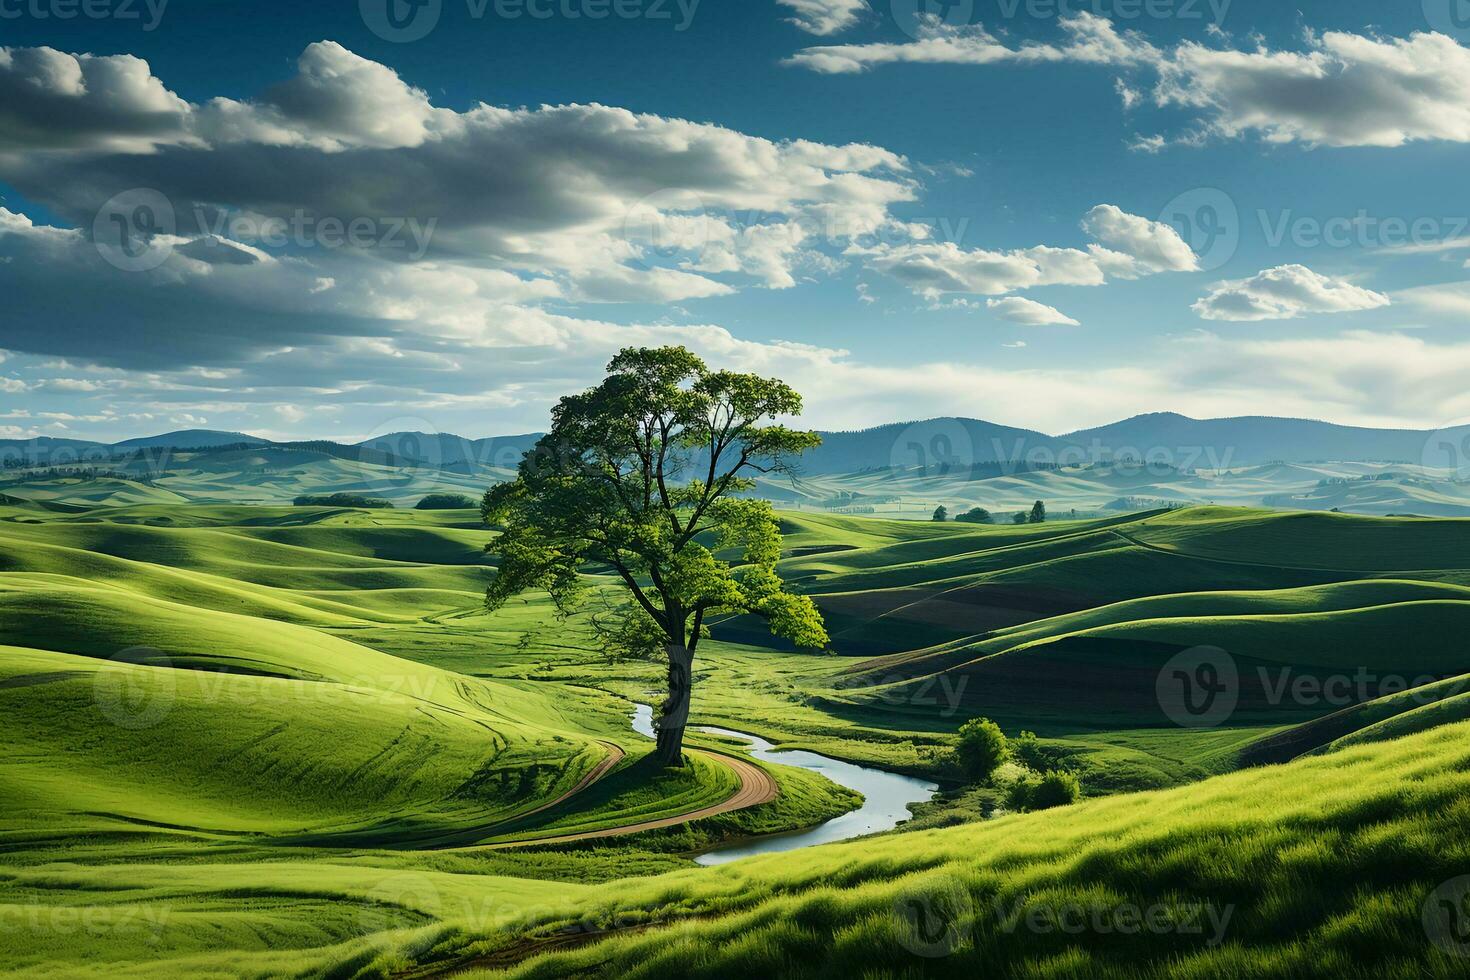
(1337, 89)
(1088, 39)
(934, 269)
(470, 221)
(53, 100)
(1155, 246)
(1344, 90)
(1283, 293)
(549, 192)
(823, 17)
(1018, 309)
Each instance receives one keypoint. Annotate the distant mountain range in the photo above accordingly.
(932, 446)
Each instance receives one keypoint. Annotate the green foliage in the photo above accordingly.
(1019, 789)
(1027, 749)
(976, 515)
(1053, 788)
(1020, 517)
(1056, 788)
(447, 501)
(1038, 513)
(637, 476)
(343, 500)
(941, 513)
(982, 748)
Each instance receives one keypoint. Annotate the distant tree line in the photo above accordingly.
(77, 472)
(979, 515)
(343, 500)
(447, 501)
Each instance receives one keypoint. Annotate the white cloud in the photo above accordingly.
(53, 100)
(1089, 39)
(1018, 309)
(823, 17)
(1338, 89)
(935, 269)
(1154, 245)
(1344, 90)
(594, 201)
(509, 209)
(1282, 293)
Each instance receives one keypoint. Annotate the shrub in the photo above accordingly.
(1055, 788)
(447, 501)
(1028, 751)
(1018, 793)
(982, 748)
(976, 515)
(1032, 792)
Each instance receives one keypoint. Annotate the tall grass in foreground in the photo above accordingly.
(1321, 868)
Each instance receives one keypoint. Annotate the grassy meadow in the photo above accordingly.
(256, 740)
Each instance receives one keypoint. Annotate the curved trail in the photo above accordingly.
(756, 787)
(615, 754)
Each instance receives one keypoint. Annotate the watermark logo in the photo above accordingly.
(1208, 221)
(1199, 687)
(401, 21)
(397, 897)
(1448, 448)
(937, 447)
(402, 455)
(135, 699)
(410, 235)
(667, 225)
(1362, 229)
(1446, 916)
(1214, 11)
(1451, 17)
(917, 18)
(134, 231)
(148, 12)
(939, 692)
(1206, 920)
(934, 918)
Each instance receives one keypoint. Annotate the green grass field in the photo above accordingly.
(254, 740)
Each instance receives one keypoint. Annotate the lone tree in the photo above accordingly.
(1038, 513)
(941, 513)
(637, 478)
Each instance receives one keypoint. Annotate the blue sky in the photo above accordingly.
(983, 212)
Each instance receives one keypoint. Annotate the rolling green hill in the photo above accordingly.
(289, 740)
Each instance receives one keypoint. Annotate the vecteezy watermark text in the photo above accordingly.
(403, 21)
(148, 12)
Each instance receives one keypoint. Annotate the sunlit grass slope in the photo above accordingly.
(1321, 868)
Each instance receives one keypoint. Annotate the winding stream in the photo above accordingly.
(886, 795)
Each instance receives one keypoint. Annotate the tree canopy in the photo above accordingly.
(638, 478)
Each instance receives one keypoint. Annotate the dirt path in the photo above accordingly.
(615, 755)
(756, 787)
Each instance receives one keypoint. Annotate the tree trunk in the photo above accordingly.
(675, 712)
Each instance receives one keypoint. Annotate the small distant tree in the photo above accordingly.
(1020, 517)
(976, 515)
(941, 513)
(1038, 513)
(982, 749)
(603, 490)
